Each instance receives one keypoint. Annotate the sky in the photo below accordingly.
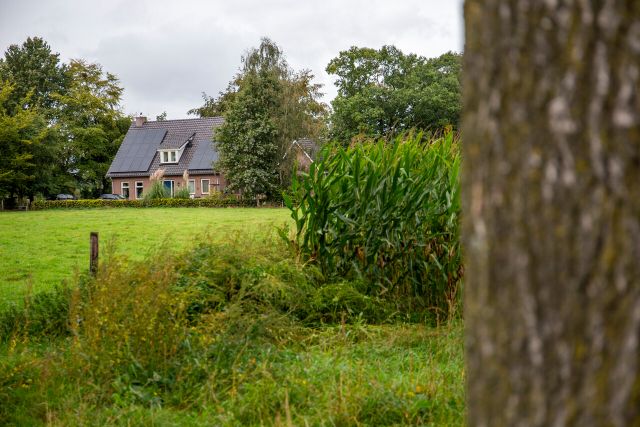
(166, 53)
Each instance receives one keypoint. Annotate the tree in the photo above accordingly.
(266, 107)
(21, 136)
(215, 107)
(552, 212)
(33, 68)
(91, 124)
(383, 92)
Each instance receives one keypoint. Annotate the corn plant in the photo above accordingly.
(387, 213)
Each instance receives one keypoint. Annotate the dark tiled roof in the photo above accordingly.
(178, 132)
(176, 139)
(308, 145)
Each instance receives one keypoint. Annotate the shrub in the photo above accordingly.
(44, 314)
(386, 213)
(209, 202)
(182, 193)
(156, 191)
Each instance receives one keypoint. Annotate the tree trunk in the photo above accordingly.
(551, 200)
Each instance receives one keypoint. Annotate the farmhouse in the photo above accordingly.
(305, 151)
(174, 146)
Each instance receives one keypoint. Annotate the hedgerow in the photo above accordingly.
(209, 202)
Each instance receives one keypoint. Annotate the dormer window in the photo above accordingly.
(169, 156)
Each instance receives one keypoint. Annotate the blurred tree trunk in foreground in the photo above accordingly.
(552, 212)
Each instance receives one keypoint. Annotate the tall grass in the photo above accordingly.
(223, 335)
(386, 213)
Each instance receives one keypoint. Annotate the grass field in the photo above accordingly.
(213, 336)
(42, 248)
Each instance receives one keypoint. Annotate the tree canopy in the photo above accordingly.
(266, 107)
(62, 123)
(383, 92)
(32, 67)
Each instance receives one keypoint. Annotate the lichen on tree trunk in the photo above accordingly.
(551, 202)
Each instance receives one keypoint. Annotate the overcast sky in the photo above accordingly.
(166, 53)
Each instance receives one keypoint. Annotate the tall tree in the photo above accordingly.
(551, 189)
(21, 136)
(91, 124)
(385, 91)
(266, 107)
(32, 67)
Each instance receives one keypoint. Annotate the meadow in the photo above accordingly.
(40, 249)
(246, 338)
(341, 310)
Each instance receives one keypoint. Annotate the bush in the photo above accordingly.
(156, 191)
(386, 213)
(209, 202)
(182, 193)
(44, 314)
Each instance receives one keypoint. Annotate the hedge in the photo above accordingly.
(209, 202)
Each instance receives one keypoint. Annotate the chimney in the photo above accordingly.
(139, 121)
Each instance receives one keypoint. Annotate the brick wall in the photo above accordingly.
(178, 182)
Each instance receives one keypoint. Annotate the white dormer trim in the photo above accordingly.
(172, 155)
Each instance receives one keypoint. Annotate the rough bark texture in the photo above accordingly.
(552, 212)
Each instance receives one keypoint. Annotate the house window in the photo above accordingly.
(168, 186)
(125, 190)
(205, 186)
(216, 181)
(139, 189)
(168, 157)
(192, 186)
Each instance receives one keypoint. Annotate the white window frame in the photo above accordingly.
(194, 186)
(208, 186)
(173, 186)
(170, 156)
(139, 185)
(124, 185)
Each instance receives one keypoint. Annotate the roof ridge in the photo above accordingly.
(185, 120)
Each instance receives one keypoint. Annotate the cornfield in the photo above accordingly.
(386, 213)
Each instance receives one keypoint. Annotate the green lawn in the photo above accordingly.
(42, 248)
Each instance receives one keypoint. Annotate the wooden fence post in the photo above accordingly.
(94, 248)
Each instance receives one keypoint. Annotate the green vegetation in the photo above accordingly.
(386, 213)
(386, 92)
(216, 200)
(60, 124)
(266, 107)
(210, 316)
(42, 248)
(225, 334)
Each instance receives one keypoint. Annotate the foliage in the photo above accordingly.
(78, 105)
(382, 92)
(21, 140)
(215, 107)
(91, 125)
(218, 335)
(45, 314)
(215, 201)
(36, 73)
(266, 107)
(156, 191)
(182, 193)
(386, 213)
(247, 141)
